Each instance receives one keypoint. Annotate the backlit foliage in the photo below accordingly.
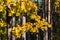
(18, 8)
(32, 27)
(3, 29)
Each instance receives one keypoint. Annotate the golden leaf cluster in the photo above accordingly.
(3, 27)
(17, 31)
(57, 3)
(40, 22)
(19, 7)
(31, 27)
(3, 24)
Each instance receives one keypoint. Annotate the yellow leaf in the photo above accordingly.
(10, 14)
(17, 14)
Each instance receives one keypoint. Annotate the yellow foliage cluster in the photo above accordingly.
(31, 27)
(3, 27)
(22, 7)
(40, 22)
(17, 31)
(3, 9)
(18, 8)
(3, 24)
(57, 3)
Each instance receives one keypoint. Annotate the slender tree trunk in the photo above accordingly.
(49, 18)
(23, 22)
(13, 24)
